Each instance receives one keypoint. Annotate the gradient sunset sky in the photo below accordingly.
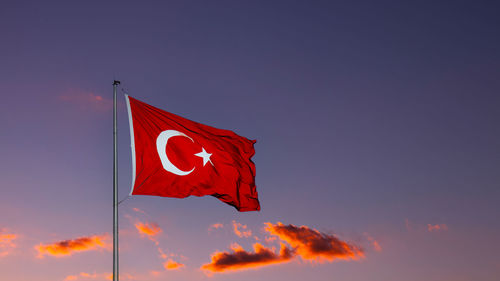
(377, 128)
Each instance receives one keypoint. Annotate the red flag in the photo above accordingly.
(176, 157)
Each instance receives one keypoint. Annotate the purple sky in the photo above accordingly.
(376, 122)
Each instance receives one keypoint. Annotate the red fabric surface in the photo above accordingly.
(229, 175)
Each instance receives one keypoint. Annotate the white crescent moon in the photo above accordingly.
(161, 146)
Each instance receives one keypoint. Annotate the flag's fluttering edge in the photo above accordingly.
(176, 157)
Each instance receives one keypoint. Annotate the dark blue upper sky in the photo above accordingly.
(366, 114)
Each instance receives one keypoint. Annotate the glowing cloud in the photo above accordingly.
(68, 247)
(313, 245)
(240, 259)
(215, 226)
(6, 242)
(148, 229)
(244, 232)
(270, 239)
(169, 263)
(97, 276)
(310, 244)
(151, 230)
(172, 265)
(437, 227)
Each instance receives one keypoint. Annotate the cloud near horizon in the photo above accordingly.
(312, 245)
(85, 275)
(240, 259)
(68, 247)
(7, 242)
(97, 276)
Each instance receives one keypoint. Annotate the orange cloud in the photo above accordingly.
(169, 263)
(172, 265)
(68, 247)
(437, 227)
(215, 226)
(151, 230)
(270, 239)
(240, 259)
(6, 242)
(313, 245)
(148, 229)
(85, 275)
(244, 232)
(97, 276)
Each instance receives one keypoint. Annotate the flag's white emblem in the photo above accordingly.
(161, 146)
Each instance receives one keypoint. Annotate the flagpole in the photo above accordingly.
(115, 188)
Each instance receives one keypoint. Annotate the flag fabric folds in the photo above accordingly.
(176, 157)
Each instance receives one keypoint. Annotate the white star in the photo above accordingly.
(206, 156)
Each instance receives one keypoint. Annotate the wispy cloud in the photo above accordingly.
(87, 99)
(137, 210)
(85, 275)
(244, 232)
(239, 259)
(215, 226)
(155, 273)
(68, 247)
(375, 244)
(407, 224)
(270, 239)
(437, 227)
(7, 243)
(313, 245)
(98, 276)
(170, 264)
(150, 230)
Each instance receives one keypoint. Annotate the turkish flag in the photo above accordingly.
(176, 157)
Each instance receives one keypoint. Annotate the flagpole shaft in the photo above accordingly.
(115, 188)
